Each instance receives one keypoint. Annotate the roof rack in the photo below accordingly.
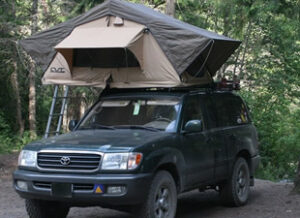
(223, 85)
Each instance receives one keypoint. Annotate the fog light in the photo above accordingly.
(116, 190)
(22, 185)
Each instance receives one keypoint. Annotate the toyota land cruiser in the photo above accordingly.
(139, 150)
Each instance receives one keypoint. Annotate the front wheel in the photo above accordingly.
(236, 191)
(162, 198)
(45, 209)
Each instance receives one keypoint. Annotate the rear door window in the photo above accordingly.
(210, 110)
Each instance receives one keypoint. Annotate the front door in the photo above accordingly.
(196, 146)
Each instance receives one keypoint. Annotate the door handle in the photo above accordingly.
(232, 137)
(218, 150)
(208, 140)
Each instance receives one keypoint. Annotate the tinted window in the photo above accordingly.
(192, 110)
(230, 110)
(105, 58)
(211, 111)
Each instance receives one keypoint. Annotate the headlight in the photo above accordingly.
(27, 158)
(121, 161)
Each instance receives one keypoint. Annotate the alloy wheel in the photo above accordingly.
(242, 183)
(162, 202)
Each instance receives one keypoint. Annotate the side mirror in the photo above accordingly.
(193, 126)
(72, 124)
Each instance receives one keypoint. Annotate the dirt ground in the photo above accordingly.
(267, 200)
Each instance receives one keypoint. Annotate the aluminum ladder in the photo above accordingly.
(59, 115)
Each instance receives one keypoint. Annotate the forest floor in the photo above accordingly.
(267, 200)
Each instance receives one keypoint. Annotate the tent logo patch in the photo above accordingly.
(57, 70)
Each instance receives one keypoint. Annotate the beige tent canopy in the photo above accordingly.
(120, 40)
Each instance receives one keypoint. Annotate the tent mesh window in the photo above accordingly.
(198, 68)
(104, 58)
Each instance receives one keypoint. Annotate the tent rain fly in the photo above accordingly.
(129, 46)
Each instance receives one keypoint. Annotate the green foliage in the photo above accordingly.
(84, 5)
(10, 143)
(5, 128)
(6, 137)
(8, 140)
(278, 126)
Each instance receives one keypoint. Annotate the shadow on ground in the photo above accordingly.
(190, 205)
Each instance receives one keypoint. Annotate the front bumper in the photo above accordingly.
(136, 187)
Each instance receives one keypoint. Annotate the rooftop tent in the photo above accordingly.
(126, 53)
(128, 45)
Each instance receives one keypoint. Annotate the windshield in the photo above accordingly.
(148, 114)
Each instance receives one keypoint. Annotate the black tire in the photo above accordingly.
(45, 209)
(236, 191)
(161, 201)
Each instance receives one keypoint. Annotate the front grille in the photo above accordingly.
(76, 161)
(76, 186)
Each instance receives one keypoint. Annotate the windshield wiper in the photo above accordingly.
(137, 127)
(97, 126)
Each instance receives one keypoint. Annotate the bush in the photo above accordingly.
(277, 123)
(9, 141)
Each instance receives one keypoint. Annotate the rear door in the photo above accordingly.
(216, 136)
(229, 130)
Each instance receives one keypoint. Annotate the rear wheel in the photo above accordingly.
(236, 191)
(162, 198)
(45, 209)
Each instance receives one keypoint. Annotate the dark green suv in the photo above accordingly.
(138, 150)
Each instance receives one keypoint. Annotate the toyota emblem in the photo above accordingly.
(65, 160)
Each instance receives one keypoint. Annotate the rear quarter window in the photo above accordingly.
(230, 110)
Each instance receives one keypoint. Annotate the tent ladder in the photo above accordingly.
(60, 115)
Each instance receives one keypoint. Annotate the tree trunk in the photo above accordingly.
(45, 6)
(31, 77)
(297, 180)
(170, 7)
(82, 104)
(15, 81)
(34, 13)
(65, 116)
(32, 102)
(248, 33)
(15, 85)
(236, 61)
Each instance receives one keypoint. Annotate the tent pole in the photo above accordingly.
(211, 46)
